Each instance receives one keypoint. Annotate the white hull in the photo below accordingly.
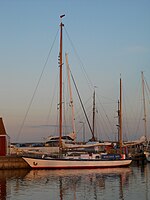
(37, 163)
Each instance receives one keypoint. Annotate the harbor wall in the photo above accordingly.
(9, 162)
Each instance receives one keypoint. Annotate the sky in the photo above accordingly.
(108, 38)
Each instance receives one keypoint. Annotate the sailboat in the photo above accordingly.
(76, 159)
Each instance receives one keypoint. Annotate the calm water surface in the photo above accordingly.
(131, 183)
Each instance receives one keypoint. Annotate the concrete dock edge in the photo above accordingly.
(12, 162)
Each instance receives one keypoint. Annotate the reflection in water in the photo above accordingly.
(81, 184)
(6, 175)
(145, 175)
(94, 184)
(3, 188)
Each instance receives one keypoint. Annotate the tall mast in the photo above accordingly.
(118, 126)
(144, 104)
(93, 112)
(70, 91)
(120, 115)
(60, 83)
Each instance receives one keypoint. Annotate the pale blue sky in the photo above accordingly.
(111, 37)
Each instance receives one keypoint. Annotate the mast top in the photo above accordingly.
(61, 16)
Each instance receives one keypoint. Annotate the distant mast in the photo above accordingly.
(144, 104)
(120, 115)
(118, 126)
(60, 84)
(93, 113)
(71, 98)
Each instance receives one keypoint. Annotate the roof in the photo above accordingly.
(2, 127)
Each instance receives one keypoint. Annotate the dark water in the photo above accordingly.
(131, 183)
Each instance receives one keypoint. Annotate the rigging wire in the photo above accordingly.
(147, 86)
(82, 105)
(30, 103)
(83, 69)
(135, 126)
(103, 124)
(140, 111)
(127, 124)
(49, 113)
(138, 125)
(82, 65)
(91, 86)
(78, 112)
(110, 124)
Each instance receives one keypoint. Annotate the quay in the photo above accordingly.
(12, 162)
(8, 161)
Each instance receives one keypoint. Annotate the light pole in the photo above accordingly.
(83, 125)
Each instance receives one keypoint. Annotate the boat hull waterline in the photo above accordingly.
(74, 163)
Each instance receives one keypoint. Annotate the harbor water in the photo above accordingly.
(93, 184)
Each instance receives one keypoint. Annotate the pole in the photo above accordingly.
(94, 112)
(120, 119)
(70, 91)
(60, 84)
(144, 104)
